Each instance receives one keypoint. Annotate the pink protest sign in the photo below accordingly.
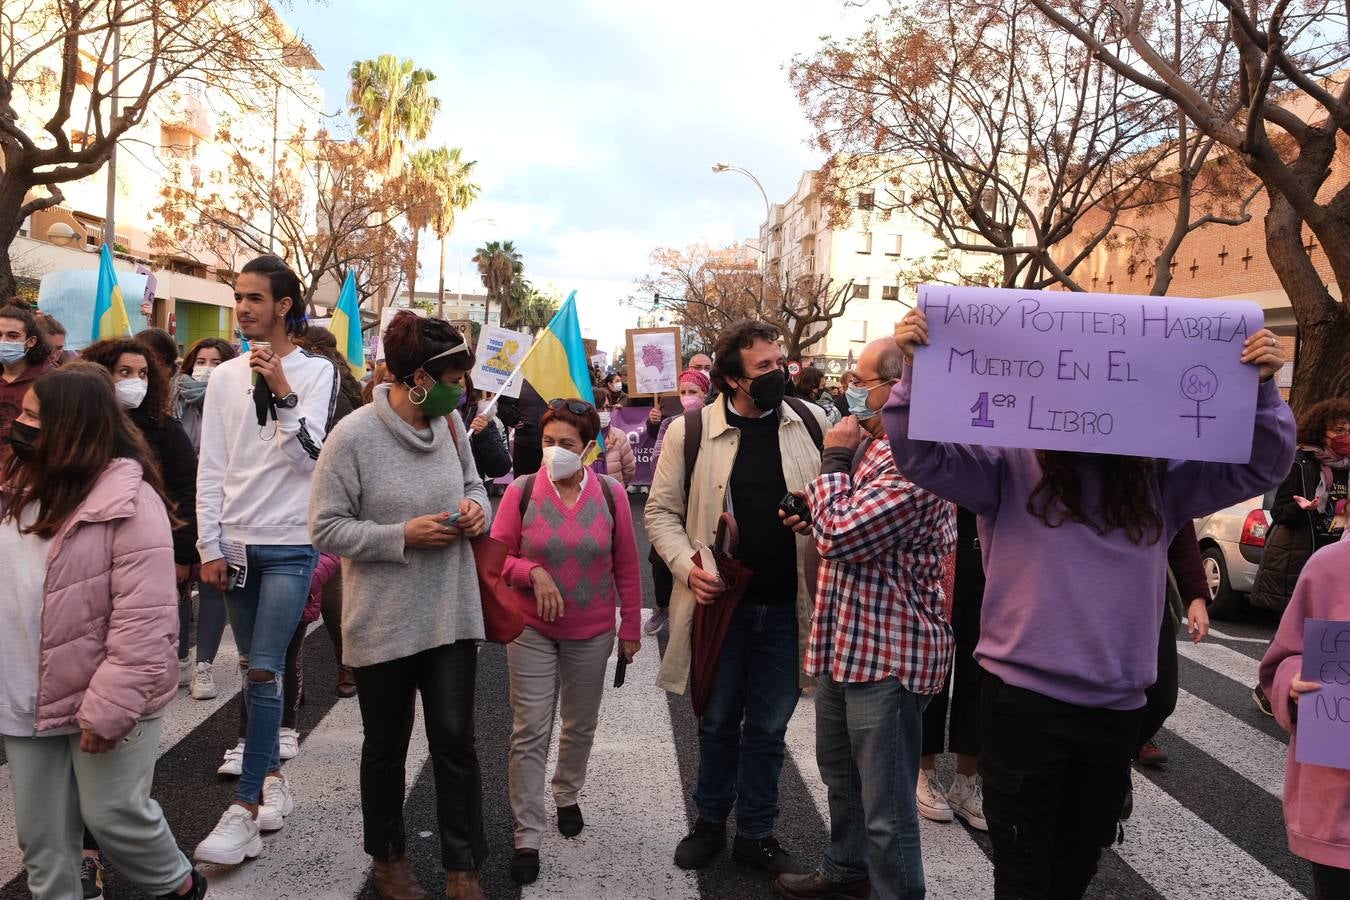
(1095, 373)
(1324, 714)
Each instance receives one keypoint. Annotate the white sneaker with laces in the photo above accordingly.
(234, 839)
(289, 739)
(203, 685)
(277, 803)
(185, 671)
(931, 800)
(234, 761)
(967, 801)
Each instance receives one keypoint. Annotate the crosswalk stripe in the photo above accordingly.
(625, 851)
(1222, 660)
(1182, 855)
(954, 866)
(1253, 754)
(318, 853)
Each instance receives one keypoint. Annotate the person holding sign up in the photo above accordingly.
(1075, 552)
(1316, 794)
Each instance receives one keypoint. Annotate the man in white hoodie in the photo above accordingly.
(263, 421)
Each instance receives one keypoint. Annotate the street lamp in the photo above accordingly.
(718, 169)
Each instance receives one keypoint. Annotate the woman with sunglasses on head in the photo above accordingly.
(87, 648)
(397, 496)
(1075, 553)
(571, 547)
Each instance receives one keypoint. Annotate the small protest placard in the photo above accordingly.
(498, 355)
(653, 360)
(1095, 373)
(1324, 715)
(632, 421)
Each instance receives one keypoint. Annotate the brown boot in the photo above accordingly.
(814, 886)
(463, 886)
(394, 880)
(346, 682)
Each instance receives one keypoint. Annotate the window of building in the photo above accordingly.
(862, 291)
(894, 245)
(865, 244)
(857, 332)
(890, 292)
(867, 199)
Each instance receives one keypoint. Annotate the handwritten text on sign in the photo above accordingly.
(1097, 373)
(1324, 714)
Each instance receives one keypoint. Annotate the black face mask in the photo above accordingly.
(22, 439)
(767, 391)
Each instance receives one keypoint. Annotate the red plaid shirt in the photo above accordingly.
(879, 598)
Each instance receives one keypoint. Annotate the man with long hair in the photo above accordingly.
(263, 421)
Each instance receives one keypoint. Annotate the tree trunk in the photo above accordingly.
(412, 271)
(440, 289)
(1323, 369)
(12, 192)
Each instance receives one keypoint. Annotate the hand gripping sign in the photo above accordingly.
(1095, 373)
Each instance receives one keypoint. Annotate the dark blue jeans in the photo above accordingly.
(740, 737)
(867, 746)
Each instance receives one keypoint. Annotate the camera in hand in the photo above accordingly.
(792, 505)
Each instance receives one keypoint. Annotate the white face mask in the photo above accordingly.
(130, 392)
(604, 418)
(561, 463)
(201, 373)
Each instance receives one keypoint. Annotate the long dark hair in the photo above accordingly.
(284, 283)
(220, 345)
(83, 429)
(1127, 499)
(107, 352)
(1316, 419)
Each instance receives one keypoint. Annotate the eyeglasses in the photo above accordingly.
(576, 407)
(1339, 431)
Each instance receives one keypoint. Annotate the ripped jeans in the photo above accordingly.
(263, 616)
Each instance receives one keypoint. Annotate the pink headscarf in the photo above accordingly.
(697, 378)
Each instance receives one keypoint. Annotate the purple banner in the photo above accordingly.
(633, 422)
(1095, 373)
(1324, 715)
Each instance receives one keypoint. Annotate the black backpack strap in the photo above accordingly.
(526, 494)
(800, 407)
(693, 441)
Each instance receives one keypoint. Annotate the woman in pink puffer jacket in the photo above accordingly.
(88, 658)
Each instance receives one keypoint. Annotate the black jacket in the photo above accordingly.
(1293, 537)
(177, 461)
(488, 446)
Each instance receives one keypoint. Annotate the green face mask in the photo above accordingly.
(441, 400)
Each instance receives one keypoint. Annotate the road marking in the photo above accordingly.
(1251, 753)
(1214, 632)
(1223, 660)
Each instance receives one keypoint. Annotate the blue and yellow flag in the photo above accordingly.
(346, 326)
(556, 365)
(110, 313)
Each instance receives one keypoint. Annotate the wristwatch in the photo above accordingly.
(290, 401)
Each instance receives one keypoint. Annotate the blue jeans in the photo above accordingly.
(740, 737)
(264, 614)
(210, 623)
(867, 746)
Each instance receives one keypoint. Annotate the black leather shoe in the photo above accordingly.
(570, 822)
(766, 855)
(198, 889)
(700, 846)
(525, 866)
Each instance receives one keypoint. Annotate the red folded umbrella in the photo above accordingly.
(712, 621)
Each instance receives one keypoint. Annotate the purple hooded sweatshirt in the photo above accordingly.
(1070, 613)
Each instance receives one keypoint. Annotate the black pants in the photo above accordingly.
(388, 693)
(1162, 696)
(1055, 776)
(1330, 883)
(292, 683)
(332, 613)
(663, 581)
(962, 690)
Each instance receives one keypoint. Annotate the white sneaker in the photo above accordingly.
(932, 803)
(967, 801)
(203, 685)
(277, 803)
(234, 839)
(289, 739)
(234, 761)
(185, 671)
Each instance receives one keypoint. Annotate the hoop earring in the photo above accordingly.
(412, 394)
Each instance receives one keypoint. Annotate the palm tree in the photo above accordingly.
(435, 186)
(393, 105)
(499, 264)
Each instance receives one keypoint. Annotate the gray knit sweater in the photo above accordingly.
(375, 473)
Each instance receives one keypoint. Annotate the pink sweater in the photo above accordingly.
(1316, 798)
(591, 556)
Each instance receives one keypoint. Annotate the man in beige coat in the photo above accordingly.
(755, 446)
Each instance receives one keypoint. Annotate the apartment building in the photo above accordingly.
(188, 137)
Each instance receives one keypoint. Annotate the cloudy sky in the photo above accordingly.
(595, 122)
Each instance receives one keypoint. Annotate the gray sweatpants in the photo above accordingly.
(59, 790)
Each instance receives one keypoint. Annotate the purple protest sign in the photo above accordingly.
(1324, 715)
(632, 420)
(1096, 373)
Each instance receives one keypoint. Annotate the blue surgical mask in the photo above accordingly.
(857, 401)
(12, 352)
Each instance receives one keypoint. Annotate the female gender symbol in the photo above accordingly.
(1199, 383)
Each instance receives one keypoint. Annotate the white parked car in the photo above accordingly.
(1232, 542)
